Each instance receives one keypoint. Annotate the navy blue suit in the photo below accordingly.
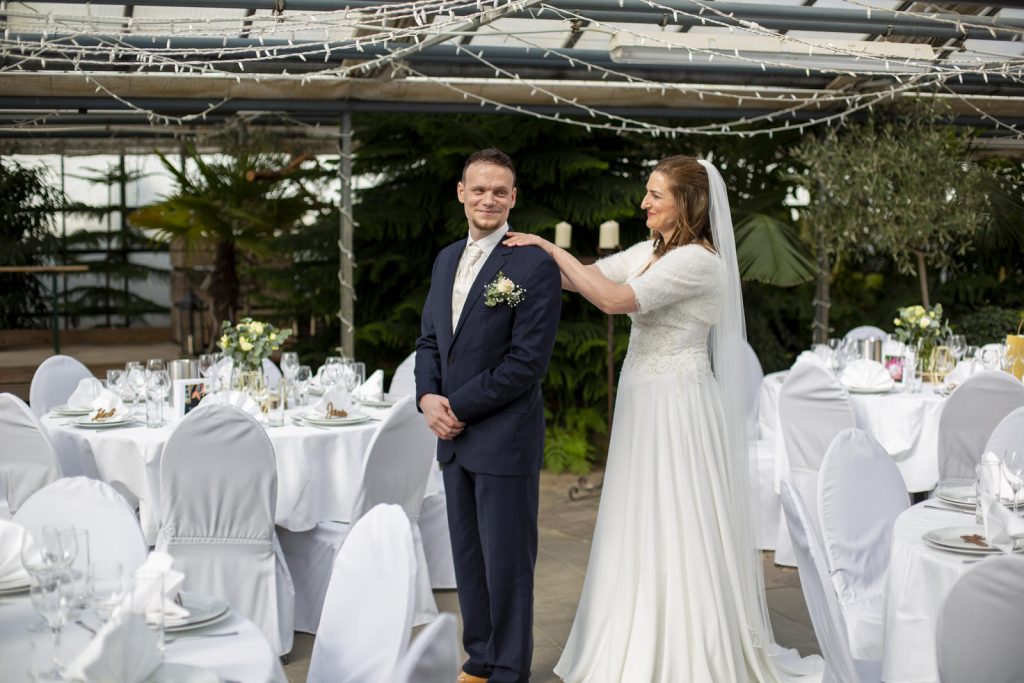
(490, 369)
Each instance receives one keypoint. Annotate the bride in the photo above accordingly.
(673, 590)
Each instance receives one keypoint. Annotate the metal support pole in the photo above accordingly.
(345, 264)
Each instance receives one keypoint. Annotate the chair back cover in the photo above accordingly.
(434, 656)
(860, 494)
(755, 375)
(367, 616)
(397, 463)
(271, 373)
(865, 332)
(978, 638)
(967, 420)
(1008, 434)
(27, 459)
(54, 381)
(404, 381)
(813, 409)
(218, 493)
(90, 504)
(822, 604)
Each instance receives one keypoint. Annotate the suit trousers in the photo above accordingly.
(493, 525)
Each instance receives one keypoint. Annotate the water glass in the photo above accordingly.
(158, 385)
(273, 407)
(110, 586)
(986, 482)
(79, 578)
(59, 545)
(303, 376)
(1013, 462)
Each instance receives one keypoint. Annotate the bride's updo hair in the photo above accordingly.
(689, 183)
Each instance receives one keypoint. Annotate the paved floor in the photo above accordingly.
(565, 531)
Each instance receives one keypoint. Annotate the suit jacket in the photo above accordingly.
(490, 368)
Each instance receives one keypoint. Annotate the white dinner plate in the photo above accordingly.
(350, 419)
(14, 586)
(871, 390)
(387, 402)
(964, 497)
(170, 672)
(203, 610)
(951, 538)
(65, 411)
(89, 423)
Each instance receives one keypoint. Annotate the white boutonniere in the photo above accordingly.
(502, 290)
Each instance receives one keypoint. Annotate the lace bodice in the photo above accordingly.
(678, 299)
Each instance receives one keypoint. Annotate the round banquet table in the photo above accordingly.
(243, 657)
(318, 468)
(907, 426)
(919, 579)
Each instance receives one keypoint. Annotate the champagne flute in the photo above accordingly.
(50, 597)
(1013, 462)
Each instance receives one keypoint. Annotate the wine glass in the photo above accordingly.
(303, 375)
(834, 345)
(135, 376)
(990, 357)
(58, 544)
(158, 383)
(333, 372)
(50, 596)
(115, 382)
(1013, 462)
(958, 345)
(206, 363)
(355, 375)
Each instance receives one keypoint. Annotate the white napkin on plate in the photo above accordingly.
(147, 594)
(11, 571)
(238, 399)
(123, 650)
(373, 388)
(962, 371)
(85, 393)
(866, 374)
(110, 404)
(335, 398)
(1001, 525)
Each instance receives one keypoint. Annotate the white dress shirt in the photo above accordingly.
(467, 271)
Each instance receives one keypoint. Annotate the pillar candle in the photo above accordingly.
(563, 235)
(609, 236)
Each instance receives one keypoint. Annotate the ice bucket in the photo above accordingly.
(183, 368)
(871, 349)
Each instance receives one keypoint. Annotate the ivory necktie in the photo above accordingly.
(464, 277)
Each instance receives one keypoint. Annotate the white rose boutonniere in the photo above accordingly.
(502, 290)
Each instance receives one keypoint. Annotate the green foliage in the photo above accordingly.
(28, 199)
(770, 251)
(989, 324)
(249, 341)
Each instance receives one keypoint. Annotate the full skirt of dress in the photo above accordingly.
(663, 599)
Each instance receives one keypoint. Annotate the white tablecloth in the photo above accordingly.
(318, 469)
(920, 577)
(244, 657)
(907, 426)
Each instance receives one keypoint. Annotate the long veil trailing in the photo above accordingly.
(728, 357)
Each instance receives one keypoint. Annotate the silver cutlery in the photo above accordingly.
(222, 634)
(90, 629)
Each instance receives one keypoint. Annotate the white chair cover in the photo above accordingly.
(367, 616)
(762, 460)
(865, 332)
(271, 373)
(822, 603)
(54, 381)
(114, 531)
(1008, 434)
(218, 491)
(860, 494)
(978, 638)
(397, 463)
(755, 375)
(404, 381)
(27, 459)
(437, 542)
(433, 657)
(813, 409)
(968, 419)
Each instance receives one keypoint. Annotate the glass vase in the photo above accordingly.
(248, 379)
(925, 349)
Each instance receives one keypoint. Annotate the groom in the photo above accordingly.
(488, 328)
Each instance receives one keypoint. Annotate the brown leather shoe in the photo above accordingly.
(469, 678)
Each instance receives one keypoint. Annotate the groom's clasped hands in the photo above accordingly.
(440, 418)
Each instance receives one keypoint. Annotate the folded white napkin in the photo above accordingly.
(85, 393)
(962, 371)
(239, 399)
(11, 571)
(866, 374)
(220, 372)
(336, 398)
(123, 650)
(107, 406)
(814, 357)
(1001, 525)
(373, 388)
(146, 595)
(891, 347)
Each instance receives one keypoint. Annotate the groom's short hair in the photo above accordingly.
(491, 155)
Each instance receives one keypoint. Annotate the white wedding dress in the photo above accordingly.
(666, 597)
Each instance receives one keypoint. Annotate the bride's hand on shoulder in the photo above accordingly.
(525, 239)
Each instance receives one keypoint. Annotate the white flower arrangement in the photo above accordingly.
(250, 341)
(916, 324)
(502, 290)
